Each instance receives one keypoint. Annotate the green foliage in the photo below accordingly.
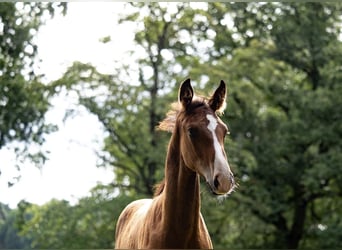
(284, 111)
(90, 224)
(9, 233)
(23, 98)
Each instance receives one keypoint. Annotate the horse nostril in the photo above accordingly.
(216, 182)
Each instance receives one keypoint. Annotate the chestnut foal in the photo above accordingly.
(172, 219)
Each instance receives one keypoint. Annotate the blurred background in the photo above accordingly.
(83, 86)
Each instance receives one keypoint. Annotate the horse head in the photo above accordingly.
(202, 135)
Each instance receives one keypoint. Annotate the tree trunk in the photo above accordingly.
(297, 228)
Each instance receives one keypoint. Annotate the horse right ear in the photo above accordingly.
(218, 101)
(186, 93)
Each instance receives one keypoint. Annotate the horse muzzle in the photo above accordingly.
(222, 184)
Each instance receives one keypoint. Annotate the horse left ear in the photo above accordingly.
(186, 93)
(218, 101)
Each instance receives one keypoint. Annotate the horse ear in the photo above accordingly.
(218, 101)
(186, 93)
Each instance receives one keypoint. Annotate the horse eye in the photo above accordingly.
(192, 132)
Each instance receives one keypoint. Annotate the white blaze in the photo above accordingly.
(220, 160)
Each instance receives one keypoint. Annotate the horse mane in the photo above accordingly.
(159, 188)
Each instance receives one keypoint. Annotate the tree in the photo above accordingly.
(132, 107)
(285, 114)
(23, 98)
(9, 233)
(88, 224)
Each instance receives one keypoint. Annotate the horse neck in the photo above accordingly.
(182, 197)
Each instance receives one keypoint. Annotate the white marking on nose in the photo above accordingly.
(219, 157)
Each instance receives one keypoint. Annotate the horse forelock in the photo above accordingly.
(169, 123)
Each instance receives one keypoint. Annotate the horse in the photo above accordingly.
(172, 219)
